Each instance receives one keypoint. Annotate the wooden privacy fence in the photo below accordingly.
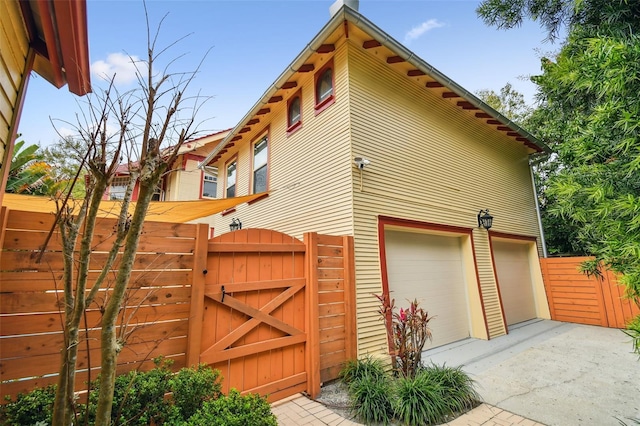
(575, 297)
(286, 322)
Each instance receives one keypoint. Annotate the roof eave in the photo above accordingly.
(386, 40)
(315, 43)
(63, 43)
(348, 14)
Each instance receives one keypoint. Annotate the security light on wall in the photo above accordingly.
(361, 162)
(485, 220)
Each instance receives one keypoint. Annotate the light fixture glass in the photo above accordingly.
(235, 224)
(485, 220)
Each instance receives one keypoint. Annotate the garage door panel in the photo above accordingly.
(514, 278)
(429, 268)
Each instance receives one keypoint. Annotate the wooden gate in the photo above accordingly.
(284, 322)
(256, 327)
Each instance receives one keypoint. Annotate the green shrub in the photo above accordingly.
(433, 395)
(234, 410)
(419, 400)
(138, 397)
(30, 408)
(633, 331)
(192, 387)
(370, 396)
(355, 369)
(457, 387)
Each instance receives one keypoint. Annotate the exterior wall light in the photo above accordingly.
(485, 220)
(235, 224)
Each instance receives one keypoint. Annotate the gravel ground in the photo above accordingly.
(334, 396)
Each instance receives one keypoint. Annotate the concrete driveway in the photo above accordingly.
(554, 373)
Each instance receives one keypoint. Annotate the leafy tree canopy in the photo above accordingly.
(509, 102)
(590, 114)
(592, 15)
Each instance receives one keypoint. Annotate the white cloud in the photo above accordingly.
(65, 131)
(419, 30)
(119, 64)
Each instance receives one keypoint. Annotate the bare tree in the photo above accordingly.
(149, 128)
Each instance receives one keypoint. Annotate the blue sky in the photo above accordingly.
(253, 41)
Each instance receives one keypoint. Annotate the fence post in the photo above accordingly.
(4, 215)
(196, 312)
(544, 266)
(351, 337)
(312, 352)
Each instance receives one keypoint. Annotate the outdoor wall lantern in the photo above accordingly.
(485, 220)
(235, 224)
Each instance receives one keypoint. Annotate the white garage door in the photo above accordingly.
(514, 278)
(429, 268)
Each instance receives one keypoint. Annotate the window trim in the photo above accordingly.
(202, 182)
(266, 133)
(226, 174)
(322, 105)
(291, 128)
(120, 179)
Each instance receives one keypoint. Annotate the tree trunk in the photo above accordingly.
(74, 305)
(110, 346)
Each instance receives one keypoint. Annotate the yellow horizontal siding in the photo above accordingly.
(432, 162)
(14, 46)
(309, 170)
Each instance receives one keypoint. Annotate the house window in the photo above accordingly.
(158, 193)
(294, 112)
(260, 165)
(231, 179)
(118, 187)
(324, 87)
(209, 185)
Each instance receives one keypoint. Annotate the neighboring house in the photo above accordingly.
(184, 180)
(48, 37)
(437, 156)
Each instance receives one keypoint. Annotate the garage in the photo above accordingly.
(513, 272)
(430, 268)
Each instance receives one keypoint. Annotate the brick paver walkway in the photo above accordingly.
(300, 411)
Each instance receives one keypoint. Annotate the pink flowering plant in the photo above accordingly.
(407, 331)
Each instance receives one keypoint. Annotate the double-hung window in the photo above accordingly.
(118, 187)
(209, 185)
(260, 164)
(231, 178)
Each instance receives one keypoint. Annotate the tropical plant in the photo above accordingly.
(407, 331)
(22, 177)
